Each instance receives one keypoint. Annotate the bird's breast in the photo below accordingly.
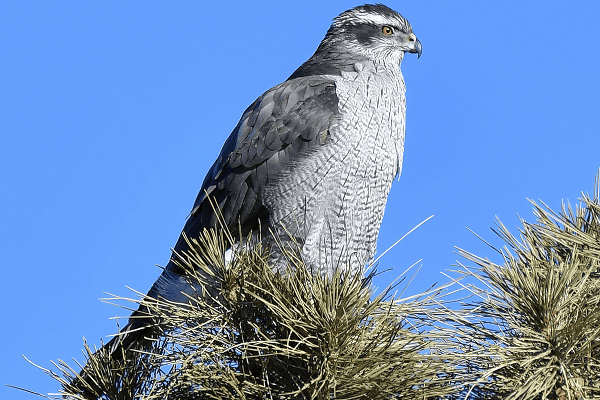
(372, 106)
(335, 198)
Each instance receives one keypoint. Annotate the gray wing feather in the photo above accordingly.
(273, 132)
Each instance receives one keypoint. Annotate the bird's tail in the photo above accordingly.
(144, 326)
(137, 336)
(142, 329)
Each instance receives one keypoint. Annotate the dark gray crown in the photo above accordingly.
(349, 38)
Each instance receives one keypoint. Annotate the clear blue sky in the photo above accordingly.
(111, 113)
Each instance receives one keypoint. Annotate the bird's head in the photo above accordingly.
(369, 32)
(373, 31)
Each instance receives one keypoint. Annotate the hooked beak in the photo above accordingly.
(416, 48)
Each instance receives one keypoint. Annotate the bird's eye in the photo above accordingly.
(387, 30)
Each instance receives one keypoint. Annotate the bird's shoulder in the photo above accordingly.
(273, 132)
(297, 109)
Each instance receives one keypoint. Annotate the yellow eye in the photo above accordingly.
(387, 30)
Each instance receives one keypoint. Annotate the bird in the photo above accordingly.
(311, 160)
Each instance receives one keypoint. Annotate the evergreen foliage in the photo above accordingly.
(270, 336)
(536, 328)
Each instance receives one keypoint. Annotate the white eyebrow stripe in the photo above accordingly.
(377, 19)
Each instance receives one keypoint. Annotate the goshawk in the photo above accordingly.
(313, 158)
